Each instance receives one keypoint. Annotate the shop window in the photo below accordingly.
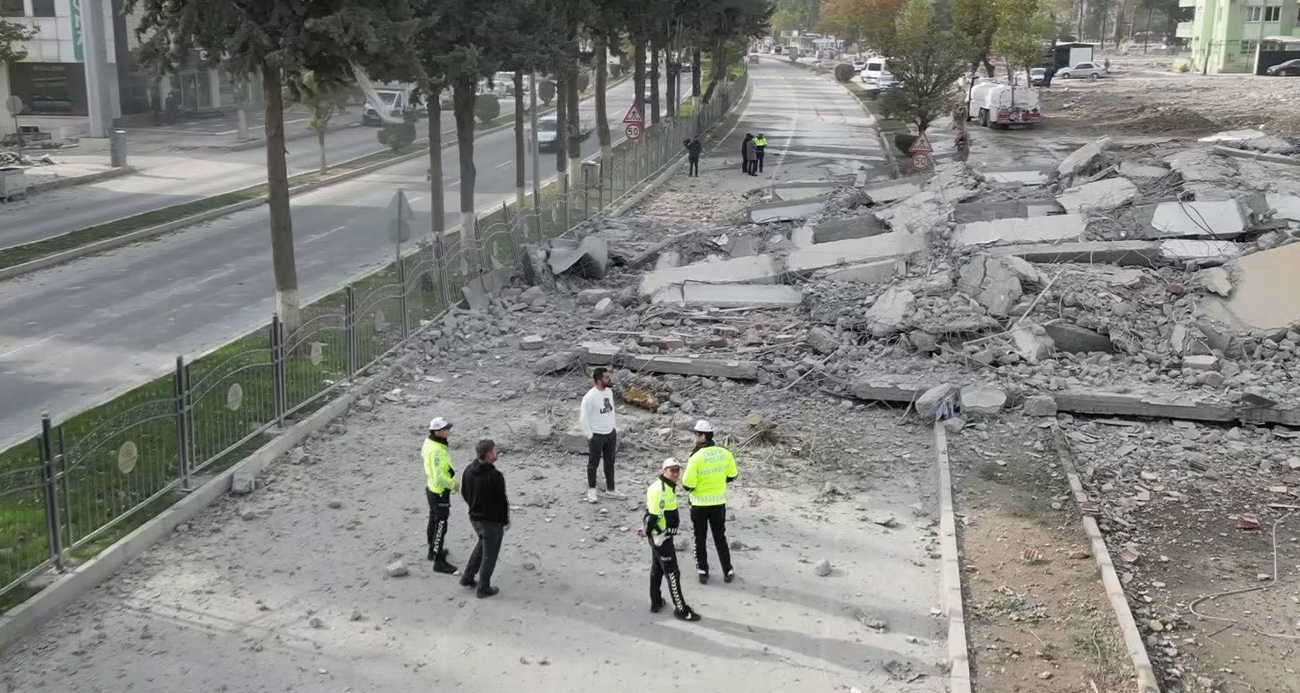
(49, 88)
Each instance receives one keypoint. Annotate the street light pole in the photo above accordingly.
(537, 165)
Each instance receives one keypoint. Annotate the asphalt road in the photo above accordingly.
(78, 334)
(188, 175)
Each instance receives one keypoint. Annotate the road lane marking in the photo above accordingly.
(24, 347)
(313, 239)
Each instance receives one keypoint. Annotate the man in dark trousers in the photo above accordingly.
(760, 146)
(440, 482)
(745, 150)
(709, 473)
(659, 526)
(596, 418)
(484, 489)
(751, 156)
(693, 149)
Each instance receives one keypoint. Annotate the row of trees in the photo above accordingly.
(310, 49)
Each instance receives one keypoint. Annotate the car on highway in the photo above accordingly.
(548, 135)
(1038, 76)
(1290, 68)
(1089, 70)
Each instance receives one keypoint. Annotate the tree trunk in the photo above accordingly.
(575, 135)
(463, 97)
(655, 51)
(437, 207)
(716, 69)
(243, 123)
(602, 107)
(638, 75)
(561, 123)
(697, 64)
(320, 139)
(672, 99)
(520, 166)
(277, 199)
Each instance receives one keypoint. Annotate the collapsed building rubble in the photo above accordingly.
(1136, 283)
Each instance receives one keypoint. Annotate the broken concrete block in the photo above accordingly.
(759, 269)
(668, 259)
(1077, 340)
(917, 214)
(923, 342)
(1264, 291)
(707, 368)
(242, 483)
(554, 363)
(889, 313)
(598, 353)
(1040, 405)
(1111, 252)
(1203, 252)
(892, 191)
(603, 305)
(1084, 159)
(574, 441)
(954, 425)
(1284, 206)
(532, 342)
(983, 400)
(397, 569)
(1032, 343)
(1200, 363)
(1216, 219)
(1016, 176)
(858, 250)
(822, 341)
(1133, 169)
(730, 295)
(991, 283)
(1214, 280)
(832, 230)
(588, 258)
(785, 210)
(590, 297)
(1101, 196)
(1063, 227)
(931, 401)
(866, 272)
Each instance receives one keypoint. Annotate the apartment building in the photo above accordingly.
(1227, 35)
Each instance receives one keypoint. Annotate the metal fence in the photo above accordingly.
(80, 484)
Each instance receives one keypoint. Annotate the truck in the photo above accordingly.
(993, 104)
(1065, 55)
(394, 98)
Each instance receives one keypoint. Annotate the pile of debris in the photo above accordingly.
(10, 157)
(1156, 275)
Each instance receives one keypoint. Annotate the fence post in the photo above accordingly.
(277, 370)
(586, 193)
(350, 329)
(600, 184)
(180, 388)
(401, 297)
(49, 483)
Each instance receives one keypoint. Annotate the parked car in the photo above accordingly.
(1090, 70)
(1038, 76)
(872, 70)
(858, 66)
(886, 81)
(1290, 68)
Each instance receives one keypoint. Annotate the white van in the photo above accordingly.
(873, 69)
(1002, 105)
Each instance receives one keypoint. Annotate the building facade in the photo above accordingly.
(1227, 35)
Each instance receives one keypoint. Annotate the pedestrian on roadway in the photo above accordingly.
(659, 526)
(760, 145)
(745, 152)
(693, 149)
(710, 469)
(596, 419)
(1048, 74)
(751, 157)
(483, 487)
(441, 481)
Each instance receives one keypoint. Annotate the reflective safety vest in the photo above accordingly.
(660, 499)
(706, 475)
(760, 142)
(437, 465)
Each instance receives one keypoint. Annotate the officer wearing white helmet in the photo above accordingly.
(710, 469)
(659, 526)
(440, 482)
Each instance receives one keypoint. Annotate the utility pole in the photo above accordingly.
(91, 17)
(537, 165)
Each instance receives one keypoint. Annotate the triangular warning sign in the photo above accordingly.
(921, 145)
(633, 115)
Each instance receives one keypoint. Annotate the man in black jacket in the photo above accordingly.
(484, 489)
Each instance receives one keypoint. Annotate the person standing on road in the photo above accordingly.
(693, 149)
(751, 157)
(441, 481)
(760, 145)
(659, 526)
(483, 487)
(596, 418)
(709, 470)
(1048, 74)
(745, 152)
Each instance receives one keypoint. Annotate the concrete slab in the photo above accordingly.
(1199, 219)
(1264, 289)
(1284, 206)
(1082, 159)
(1206, 252)
(730, 295)
(917, 214)
(1133, 169)
(785, 210)
(970, 212)
(847, 228)
(1112, 252)
(1078, 340)
(893, 191)
(1060, 228)
(888, 245)
(1100, 196)
(801, 191)
(708, 368)
(866, 272)
(587, 259)
(759, 269)
(1016, 176)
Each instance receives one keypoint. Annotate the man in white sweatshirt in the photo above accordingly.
(596, 418)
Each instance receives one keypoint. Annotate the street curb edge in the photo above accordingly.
(958, 657)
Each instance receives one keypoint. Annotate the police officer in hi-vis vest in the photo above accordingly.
(710, 469)
(659, 526)
(440, 483)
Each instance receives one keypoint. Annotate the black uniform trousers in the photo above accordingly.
(664, 565)
(704, 519)
(439, 512)
(694, 170)
(758, 152)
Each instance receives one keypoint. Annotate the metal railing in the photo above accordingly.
(78, 485)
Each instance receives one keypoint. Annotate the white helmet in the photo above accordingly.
(670, 463)
(439, 424)
(703, 426)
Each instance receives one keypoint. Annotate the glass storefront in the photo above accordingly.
(52, 89)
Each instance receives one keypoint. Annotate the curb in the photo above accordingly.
(1137, 651)
(87, 179)
(76, 583)
(959, 680)
(668, 171)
